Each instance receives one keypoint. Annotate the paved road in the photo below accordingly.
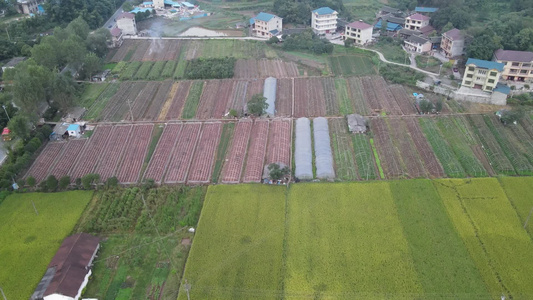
(111, 22)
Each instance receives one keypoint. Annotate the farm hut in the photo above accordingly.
(74, 130)
(6, 134)
(303, 157)
(323, 155)
(269, 92)
(69, 271)
(356, 123)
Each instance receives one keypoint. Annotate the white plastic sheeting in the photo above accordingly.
(269, 92)
(323, 156)
(303, 156)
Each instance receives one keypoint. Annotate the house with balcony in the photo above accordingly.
(266, 25)
(518, 65)
(416, 21)
(324, 20)
(453, 43)
(482, 74)
(418, 43)
(116, 37)
(29, 6)
(359, 31)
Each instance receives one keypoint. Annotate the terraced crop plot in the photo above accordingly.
(232, 170)
(343, 152)
(448, 238)
(252, 68)
(351, 65)
(148, 50)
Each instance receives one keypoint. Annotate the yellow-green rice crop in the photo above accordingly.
(237, 252)
(29, 241)
(519, 190)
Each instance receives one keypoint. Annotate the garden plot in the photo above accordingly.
(284, 97)
(402, 99)
(369, 94)
(309, 97)
(392, 164)
(234, 162)
(279, 142)
(181, 157)
(342, 141)
(178, 100)
(46, 161)
(204, 154)
(118, 106)
(384, 96)
(252, 68)
(256, 151)
(162, 153)
(91, 153)
(360, 102)
(118, 139)
(152, 112)
(425, 151)
(135, 153)
(237, 99)
(128, 46)
(406, 149)
(351, 65)
(68, 157)
(330, 96)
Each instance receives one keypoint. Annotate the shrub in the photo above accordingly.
(208, 68)
(51, 183)
(257, 105)
(111, 182)
(31, 181)
(64, 182)
(276, 172)
(88, 180)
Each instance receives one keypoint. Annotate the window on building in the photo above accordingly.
(491, 80)
(515, 64)
(468, 82)
(526, 65)
(478, 78)
(471, 68)
(493, 74)
(469, 76)
(482, 72)
(488, 88)
(523, 71)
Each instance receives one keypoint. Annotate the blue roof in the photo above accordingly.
(172, 3)
(426, 9)
(40, 9)
(189, 5)
(390, 26)
(73, 127)
(148, 3)
(502, 88)
(252, 21)
(274, 31)
(485, 64)
(264, 17)
(138, 9)
(324, 11)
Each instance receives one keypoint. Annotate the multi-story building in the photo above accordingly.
(266, 25)
(482, 74)
(359, 31)
(324, 20)
(116, 37)
(416, 21)
(126, 22)
(518, 65)
(453, 43)
(29, 6)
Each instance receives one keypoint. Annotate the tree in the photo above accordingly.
(91, 65)
(425, 106)
(30, 84)
(88, 180)
(438, 105)
(64, 182)
(482, 47)
(79, 27)
(273, 40)
(97, 41)
(76, 50)
(276, 173)
(257, 105)
(31, 181)
(48, 53)
(111, 182)
(20, 126)
(63, 91)
(447, 27)
(512, 116)
(127, 6)
(51, 183)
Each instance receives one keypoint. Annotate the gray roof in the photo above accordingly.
(417, 39)
(14, 61)
(356, 123)
(390, 9)
(511, 55)
(454, 34)
(408, 32)
(393, 19)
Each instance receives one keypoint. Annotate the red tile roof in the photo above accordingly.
(418, 17)
(511, 55)
(115, 31)
(359, 25)
(126, 15)
(454, 34)
(71, 264)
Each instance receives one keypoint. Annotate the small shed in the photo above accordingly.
(74, 130)
(6, 134)
(356, 123)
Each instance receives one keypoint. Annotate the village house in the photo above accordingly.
(359, 31)
(453, 43)
(324, 20)
(482, 74)
(418, 44)
(126, 23)
(393, 23)
(426, 10)
(12, 63)
(518, 65)
(29, 7)
(416, 21)
(266, 25)
(116, 37)
(69, 271)
(386, 10)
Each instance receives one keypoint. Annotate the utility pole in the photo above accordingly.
(9, 38)
(2, 291)
(131, 113)
(187, 288)
(528, 217)
(8, 118)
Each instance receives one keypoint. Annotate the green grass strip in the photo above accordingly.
(128, 55)
(94, 111)
(345, 104)
(376, 156)
(168, 70)
(143, 71)
(191, 105)
(227, 134)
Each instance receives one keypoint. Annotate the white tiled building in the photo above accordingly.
(266, 25)
(518, 65)
(324, 20)
(359, 31)
(416, 21)
(482, 74)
